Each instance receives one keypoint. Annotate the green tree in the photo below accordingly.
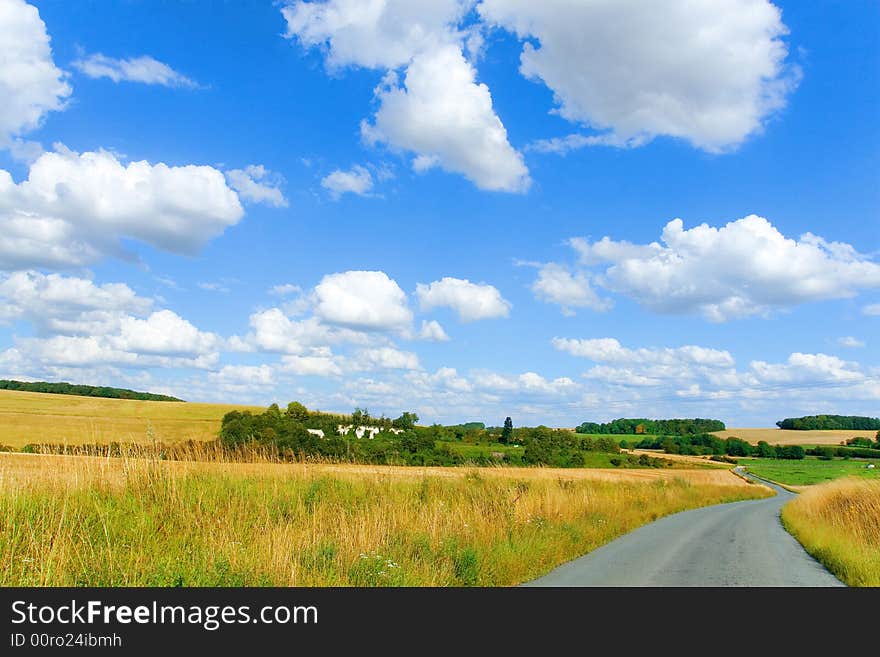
(297, 412)
(507, 431)
(406, 421)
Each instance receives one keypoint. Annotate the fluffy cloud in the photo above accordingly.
(433, 332)
(320, 364)
(74, 208)
(744, 268)
(801, 368)
(387, 358)
(362, 300)
(163, 332)
(872, 310)
(144, 69)
(706, 71)
(440, 113)
(446, 117)
(471, 301)
(63, 304)
(376, 34)
(31, 85)
(273, 331)
(357, 180)
(257, 184)
(556, 284)
(239, 378)
(646, 378)
(609, 350)
(527, 382)
(850, 342)
(163, 339)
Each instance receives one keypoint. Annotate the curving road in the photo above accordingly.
(736, 544)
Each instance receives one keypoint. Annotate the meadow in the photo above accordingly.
(789, 437)
(77, 521)
(808, 471)
(33, 417)
(839, 524)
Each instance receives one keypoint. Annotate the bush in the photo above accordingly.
(790, 452)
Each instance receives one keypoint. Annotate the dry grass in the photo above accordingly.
(124, 522)
(788, 437)
(33, 417)
(839, 524)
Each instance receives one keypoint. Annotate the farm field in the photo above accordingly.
(808, 471)
(125, 522)
(788, 437)
(839, 524)
(32, 417)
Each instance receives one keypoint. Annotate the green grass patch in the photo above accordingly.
(808, 471)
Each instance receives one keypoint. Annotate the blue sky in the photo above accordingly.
(402, 205)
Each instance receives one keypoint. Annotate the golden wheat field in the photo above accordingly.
(78, 521)
(839, 524)
(34, 417)
(788, 437)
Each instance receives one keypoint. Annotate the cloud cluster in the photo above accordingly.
(707, 72)
(439, 112)
(64, 304)
(743, 268)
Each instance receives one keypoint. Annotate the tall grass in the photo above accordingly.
(76, 521)
(839, 524)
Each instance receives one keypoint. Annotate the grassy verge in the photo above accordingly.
(76, 521)
(839, 524)
(808, 471)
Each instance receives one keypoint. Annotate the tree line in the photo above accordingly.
(83, 390)
(636, 426)
(830, 422)
(707, 444)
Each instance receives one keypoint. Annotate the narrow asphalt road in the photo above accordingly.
(736, 544)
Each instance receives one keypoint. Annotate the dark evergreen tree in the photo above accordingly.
(507, 431)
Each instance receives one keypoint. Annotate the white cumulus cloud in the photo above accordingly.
(850, 342)
(472, 301)
(357, 180)
(31, 85)
(388, 358)
(75, 208)
(707, 71)
(362, 300)
(432, 331)
(743, 268)
(443, 115)
(557, 284)
(67, 304)
(440, 112)
(255, 183)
